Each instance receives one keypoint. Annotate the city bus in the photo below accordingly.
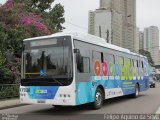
(70, 69)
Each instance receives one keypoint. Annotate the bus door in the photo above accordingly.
(82, 73)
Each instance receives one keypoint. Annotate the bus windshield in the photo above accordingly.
(48, 60)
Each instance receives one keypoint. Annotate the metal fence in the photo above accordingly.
(9, 90)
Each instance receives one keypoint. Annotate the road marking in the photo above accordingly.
(158, 111)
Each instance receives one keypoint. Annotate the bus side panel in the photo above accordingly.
(84, 93)
(146, 73)
(116, 83)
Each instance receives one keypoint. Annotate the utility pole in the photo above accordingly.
(100, 33)
(107, 39)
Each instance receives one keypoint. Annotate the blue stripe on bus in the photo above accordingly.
(42, 92)
(86, 90)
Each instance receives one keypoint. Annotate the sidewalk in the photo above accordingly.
(9, 103)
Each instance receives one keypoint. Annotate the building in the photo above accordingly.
(106, 24)
(146, 40)
(98, 26)
(141, 40)
(123, 22)
(159, 57)
(151, 42)
(137, 42)
(129, 23)
(91, 22)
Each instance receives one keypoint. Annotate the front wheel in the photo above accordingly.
(136, 94)
(57, 106)
(98, 100)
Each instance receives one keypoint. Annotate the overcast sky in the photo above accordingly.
(76, 13)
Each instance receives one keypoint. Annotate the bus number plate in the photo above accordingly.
(41, 101)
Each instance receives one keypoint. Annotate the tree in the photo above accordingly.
(39, 5)
(53, 17)
(16, 24)
(18, 21)
(21, 19)
(148, 55)
(56, 18)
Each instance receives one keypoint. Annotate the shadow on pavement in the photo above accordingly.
(81, 109)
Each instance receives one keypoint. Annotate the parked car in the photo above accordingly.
(152, 82)
(157, 77)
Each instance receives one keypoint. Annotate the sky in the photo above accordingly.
(76, 13)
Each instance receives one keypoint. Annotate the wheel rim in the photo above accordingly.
(98, 98)
(137, 91)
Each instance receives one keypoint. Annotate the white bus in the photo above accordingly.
(69, 69)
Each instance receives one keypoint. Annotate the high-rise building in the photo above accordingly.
(141, 40)
(100, 23)
(106, 24)
(137, 42)
(123, 22)
(158, 57)
(129, 23)
(91, 22)
(151, 42)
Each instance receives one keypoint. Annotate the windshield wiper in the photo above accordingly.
(57, 81)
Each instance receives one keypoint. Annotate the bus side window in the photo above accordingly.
(137, 64)
(113, 58)
(102, 57)
(142, 64)
(133, 62)
(122, 59)
(109, 58)
(119, 60)
(84, 67)
(97, 56)
(130, 62)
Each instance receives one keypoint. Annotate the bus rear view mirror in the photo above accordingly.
(77, 51)
(78, 56)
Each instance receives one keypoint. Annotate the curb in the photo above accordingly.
(12, 106)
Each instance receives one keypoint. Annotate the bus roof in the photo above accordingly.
(87, 38)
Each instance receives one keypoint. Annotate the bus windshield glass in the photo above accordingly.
(48, 58)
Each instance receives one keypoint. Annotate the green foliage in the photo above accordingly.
(56, 18)
(21, 19)
(53, 17)
(148, 55)
(3, 45)
(6, 76)
(39, 5)
(9, 91)
(2, 59)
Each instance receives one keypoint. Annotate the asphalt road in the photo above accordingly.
(147, 103)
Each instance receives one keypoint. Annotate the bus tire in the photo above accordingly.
(98, 99)
(136, 94)
(57, 106)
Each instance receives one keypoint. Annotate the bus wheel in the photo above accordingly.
(57, 106)
(136, 94)
(99, 97)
